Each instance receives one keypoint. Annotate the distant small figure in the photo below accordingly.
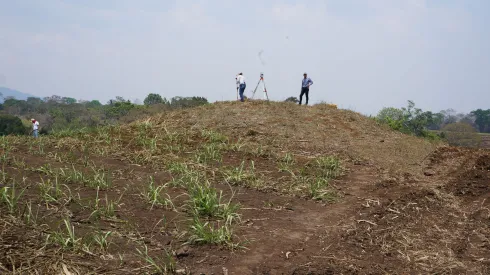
(240, 80)
(35, 128)
(305, 88)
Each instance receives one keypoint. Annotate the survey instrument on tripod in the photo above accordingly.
(261, 80)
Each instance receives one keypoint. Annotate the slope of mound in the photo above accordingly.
(253, 188)
(307, 131)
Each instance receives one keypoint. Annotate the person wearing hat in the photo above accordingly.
(240, 80)
(35, 127)
(305, 88)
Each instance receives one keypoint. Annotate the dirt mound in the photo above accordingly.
(307, 130)
(252, 188)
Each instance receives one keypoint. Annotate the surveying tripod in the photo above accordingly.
(263, 83)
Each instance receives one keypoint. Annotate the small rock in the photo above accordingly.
(429, 173)
(182, 252)
(180, 271)
(252, 132)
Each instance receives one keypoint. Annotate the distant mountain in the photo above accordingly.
(6, 92)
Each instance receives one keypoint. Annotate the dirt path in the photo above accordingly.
(285, 234)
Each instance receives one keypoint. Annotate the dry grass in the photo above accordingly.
(307, 131)
(425, 230)
(23, 251)
(300, 151)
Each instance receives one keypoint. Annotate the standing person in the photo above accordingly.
(305, 88)
(35, 128)
(240, 80)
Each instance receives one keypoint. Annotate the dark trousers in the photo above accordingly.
(242, 90)
(304, 91)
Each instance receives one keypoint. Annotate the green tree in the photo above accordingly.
(35, 105)
(186, 102)
(10, 101)
(119, 109)
(14, 106)
(415, 121)
(390, 113)
(93, 104)
(409, 120)
(69, 100)
(152, 99)
(436, 122)
(117, 99)
(482, 119)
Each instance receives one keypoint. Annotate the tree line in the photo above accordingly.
(457, 128)
(414, 119)
(56, 112)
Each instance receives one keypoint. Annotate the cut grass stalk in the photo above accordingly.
(103, 210)
(288, 159)
(52, 191)
(160, 266)
(330, 166)
(319, 190)
(10, 197)
(154, 195)
(45, 169)
(214, 137)
(206, 233)
(205, 201)
(100, 179)
(102, 240)
(209, 153)
(66, 239)
(239, 175)
(29, 216)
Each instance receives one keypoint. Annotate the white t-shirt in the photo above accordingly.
(35, 125)
(240, 79)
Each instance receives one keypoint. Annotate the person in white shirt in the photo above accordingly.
(240, 80)
(35, 128)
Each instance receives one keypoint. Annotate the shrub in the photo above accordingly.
(11, 125)
(292, 99)
(461, 134)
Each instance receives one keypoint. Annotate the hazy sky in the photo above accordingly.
(361, 54)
